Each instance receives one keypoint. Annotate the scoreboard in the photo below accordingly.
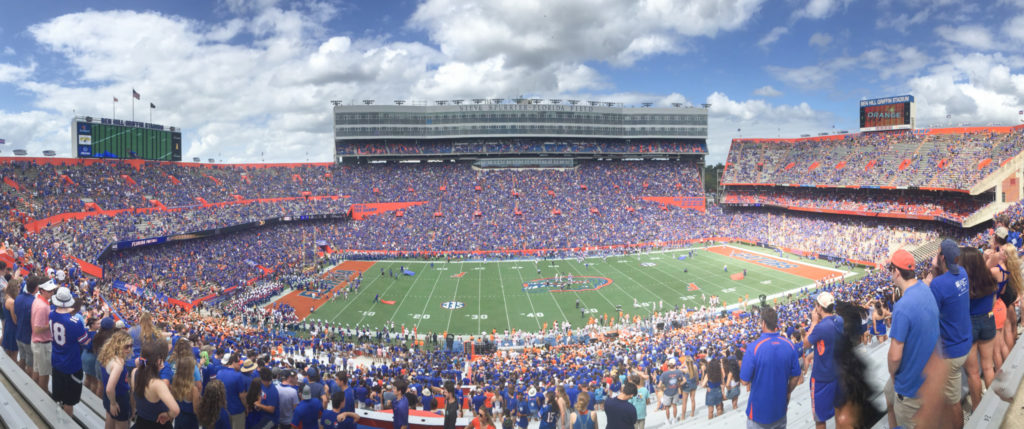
(890, 113)
(116, 138)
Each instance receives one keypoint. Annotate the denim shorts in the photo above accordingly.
(983, 327)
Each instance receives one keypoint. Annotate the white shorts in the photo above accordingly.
(41, 358)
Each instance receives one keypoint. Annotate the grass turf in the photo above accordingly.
(490, 295)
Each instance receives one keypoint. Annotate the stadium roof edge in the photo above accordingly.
(89, 161)
(919, 131)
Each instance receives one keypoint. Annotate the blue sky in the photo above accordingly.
(249, 77)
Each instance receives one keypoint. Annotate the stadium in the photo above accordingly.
(535, 261)
(465, 235)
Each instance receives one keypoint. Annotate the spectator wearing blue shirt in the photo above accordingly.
(23, 314)
(821, 338)
(914, 334)
(348, 401)
(267, 405)
(401, 405)
(334, 417)
(621, 414)
(69, 335)
(216, 364)
(549, 412)
(307, 413)
(522, 411)
(771, 368)
(235, 387)
(951, 290)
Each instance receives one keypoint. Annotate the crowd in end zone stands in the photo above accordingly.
(713, 346)
(951, 161)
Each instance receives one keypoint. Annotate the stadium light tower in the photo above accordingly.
(368, 102)
(519, 100)
(677, 104)
(399, 102)
(706, 105)
(574, 102)
(478, 100)
(555, 101)
(441, 102)
(457, 101)
(610, 103)
(336, 103)
(497, 100)
(537, 100)
(647, 104)
(594, 103)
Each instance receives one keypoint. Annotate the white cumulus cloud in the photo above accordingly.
(820, 40)
(772, 36)
(757, 118)
(971, 36)
(767, 91)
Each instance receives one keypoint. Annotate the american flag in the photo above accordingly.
(136, 95)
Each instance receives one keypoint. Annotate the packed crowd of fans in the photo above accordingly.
(495, 210)
(954, 207)
(950, 161)
(259, 340)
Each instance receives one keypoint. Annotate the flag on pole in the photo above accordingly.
(136, 94)
(152, 106)
(948, 116)
(115, 99)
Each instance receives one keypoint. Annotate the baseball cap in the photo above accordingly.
(107, 323)
(950, 251)
(532, 391)
(902, 259)
(825, 299)
(49, 286)
(306, 393)
(60, 275)
(119, 324)
(63, 298)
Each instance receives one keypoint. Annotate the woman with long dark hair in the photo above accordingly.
(853, 397)
(731, 368)
(212, 408)
(155, 407)
(982, 292)
(713, 382)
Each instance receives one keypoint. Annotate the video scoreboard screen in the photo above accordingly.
(890, 113)
(116, 138)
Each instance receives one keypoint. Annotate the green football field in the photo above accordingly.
(491, 295)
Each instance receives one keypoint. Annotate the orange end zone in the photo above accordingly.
(789, 267)
(303, 303)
